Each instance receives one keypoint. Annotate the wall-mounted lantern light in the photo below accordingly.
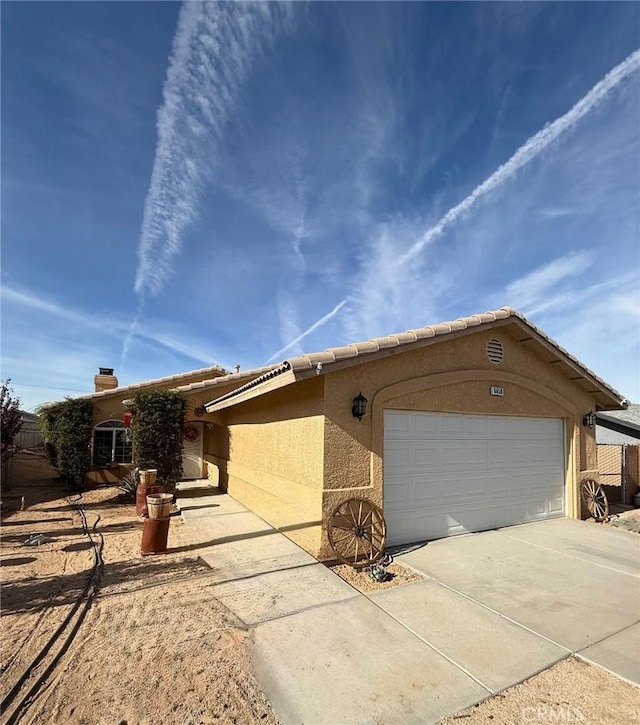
(359, 407)
(589, 419)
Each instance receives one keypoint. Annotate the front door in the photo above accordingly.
(192, 436)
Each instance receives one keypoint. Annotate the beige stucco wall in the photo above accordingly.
(275, 464)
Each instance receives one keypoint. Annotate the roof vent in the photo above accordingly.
(106, 371)
(495, 351)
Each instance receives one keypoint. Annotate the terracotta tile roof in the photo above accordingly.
(360, 351)
(376, 344)
(228, 378)
(138, 386)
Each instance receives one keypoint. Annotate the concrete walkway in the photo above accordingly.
(325, 653)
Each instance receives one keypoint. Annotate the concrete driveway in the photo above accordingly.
(495, 608)
(571, 584)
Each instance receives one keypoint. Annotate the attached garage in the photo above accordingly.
(473, 424)
(447, 474)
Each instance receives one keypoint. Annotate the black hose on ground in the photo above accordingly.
(86, 596)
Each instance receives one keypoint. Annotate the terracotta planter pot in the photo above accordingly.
(141, 497)
(154, 536)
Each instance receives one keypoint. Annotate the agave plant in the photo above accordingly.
(378, 573)
(129, 484)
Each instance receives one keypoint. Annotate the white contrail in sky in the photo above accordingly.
(214, 50)
(308, 331)
(529, 150)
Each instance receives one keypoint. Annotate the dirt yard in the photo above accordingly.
(571, 691)
(157, 647)
(628, 520)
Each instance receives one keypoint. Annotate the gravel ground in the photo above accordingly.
(628, 520)
(360, 579)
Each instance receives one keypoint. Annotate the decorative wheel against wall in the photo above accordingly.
(595, 499)
(357, 533)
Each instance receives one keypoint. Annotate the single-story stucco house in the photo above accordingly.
(467, 425)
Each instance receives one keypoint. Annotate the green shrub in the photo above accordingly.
(67, 430)
(157, 424)
(10, 419)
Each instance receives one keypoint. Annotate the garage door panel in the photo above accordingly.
(440, 455)
(465, 454)
(537, 509)
(399, 456)
(420, 424)
(411, 489)
(500, 485)
(556, 506)
(446, 474)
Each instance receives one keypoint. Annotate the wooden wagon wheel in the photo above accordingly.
(595, 499)
(357, 533)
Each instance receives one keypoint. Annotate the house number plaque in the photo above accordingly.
(495, 390)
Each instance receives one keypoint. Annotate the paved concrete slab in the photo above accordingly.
(571, 601)
(231, 526)
(196, 484)
(327, 654)
(208, 507)
(351, 663)
(496, 651)
(247, 558)
(279, 593)
(602, 545)
(619, 653)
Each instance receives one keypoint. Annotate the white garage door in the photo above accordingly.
(447, 474)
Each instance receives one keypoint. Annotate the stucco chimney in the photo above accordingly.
(105, 380)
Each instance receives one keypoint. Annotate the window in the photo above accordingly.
(112, 442)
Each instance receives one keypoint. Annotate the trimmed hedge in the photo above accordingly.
(67, 430)
(157, 425)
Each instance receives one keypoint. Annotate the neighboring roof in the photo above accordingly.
(604, 436)
(31, 417)
(630, 417)
(147, 383)
(334, 358)
(619, 426)
(221, 380)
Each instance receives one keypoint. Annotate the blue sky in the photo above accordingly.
(238, 183)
